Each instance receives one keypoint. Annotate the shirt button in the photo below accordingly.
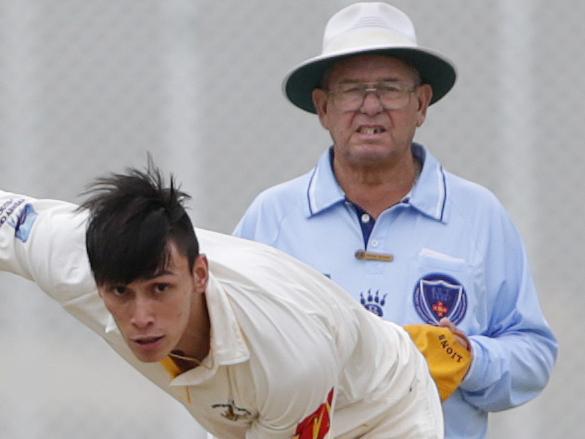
(374, 243)
(365, 218)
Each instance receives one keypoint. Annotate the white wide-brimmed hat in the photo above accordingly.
(368, 28)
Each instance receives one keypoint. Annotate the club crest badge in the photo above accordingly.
(438, 295)
(232, 412)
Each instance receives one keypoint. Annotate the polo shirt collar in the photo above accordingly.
(227, 342)
(429, 195)
(323, 190)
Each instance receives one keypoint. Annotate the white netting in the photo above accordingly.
(88, 87)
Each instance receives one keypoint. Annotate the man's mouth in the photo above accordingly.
(147, 340)
(370, 130)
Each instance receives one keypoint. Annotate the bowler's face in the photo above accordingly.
(158, 314)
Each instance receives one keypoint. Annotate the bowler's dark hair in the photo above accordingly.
(132, 219)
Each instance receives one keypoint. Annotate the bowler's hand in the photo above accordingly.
(458, 333)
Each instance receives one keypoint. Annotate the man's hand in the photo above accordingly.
(458, 333)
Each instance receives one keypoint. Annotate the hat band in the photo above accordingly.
(359, 40)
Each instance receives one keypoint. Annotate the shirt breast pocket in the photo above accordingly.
(443, 287)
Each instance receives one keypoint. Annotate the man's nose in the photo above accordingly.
(371, 104)
(142, 313)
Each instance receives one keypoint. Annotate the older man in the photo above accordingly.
(380, 215)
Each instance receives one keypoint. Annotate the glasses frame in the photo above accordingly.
(366, 88)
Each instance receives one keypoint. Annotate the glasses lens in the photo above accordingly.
(392, 96)
(349, 98)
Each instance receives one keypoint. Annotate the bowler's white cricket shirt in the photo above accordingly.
(288, 347)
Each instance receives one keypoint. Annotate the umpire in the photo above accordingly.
(381, 216)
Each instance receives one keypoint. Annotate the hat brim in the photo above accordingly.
(434, 69)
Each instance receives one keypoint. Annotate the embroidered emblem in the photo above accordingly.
(438, 295)
(233, 412)
(374, 302)
(25, 217)
(318, 423)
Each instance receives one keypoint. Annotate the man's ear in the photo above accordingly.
(320, 102)
(424, 95)
(200, 273)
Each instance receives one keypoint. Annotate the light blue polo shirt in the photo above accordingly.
(448, 249)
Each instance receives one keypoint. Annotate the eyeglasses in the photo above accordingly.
(392, 95)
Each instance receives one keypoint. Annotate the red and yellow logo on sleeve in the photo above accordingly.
(318, 423)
